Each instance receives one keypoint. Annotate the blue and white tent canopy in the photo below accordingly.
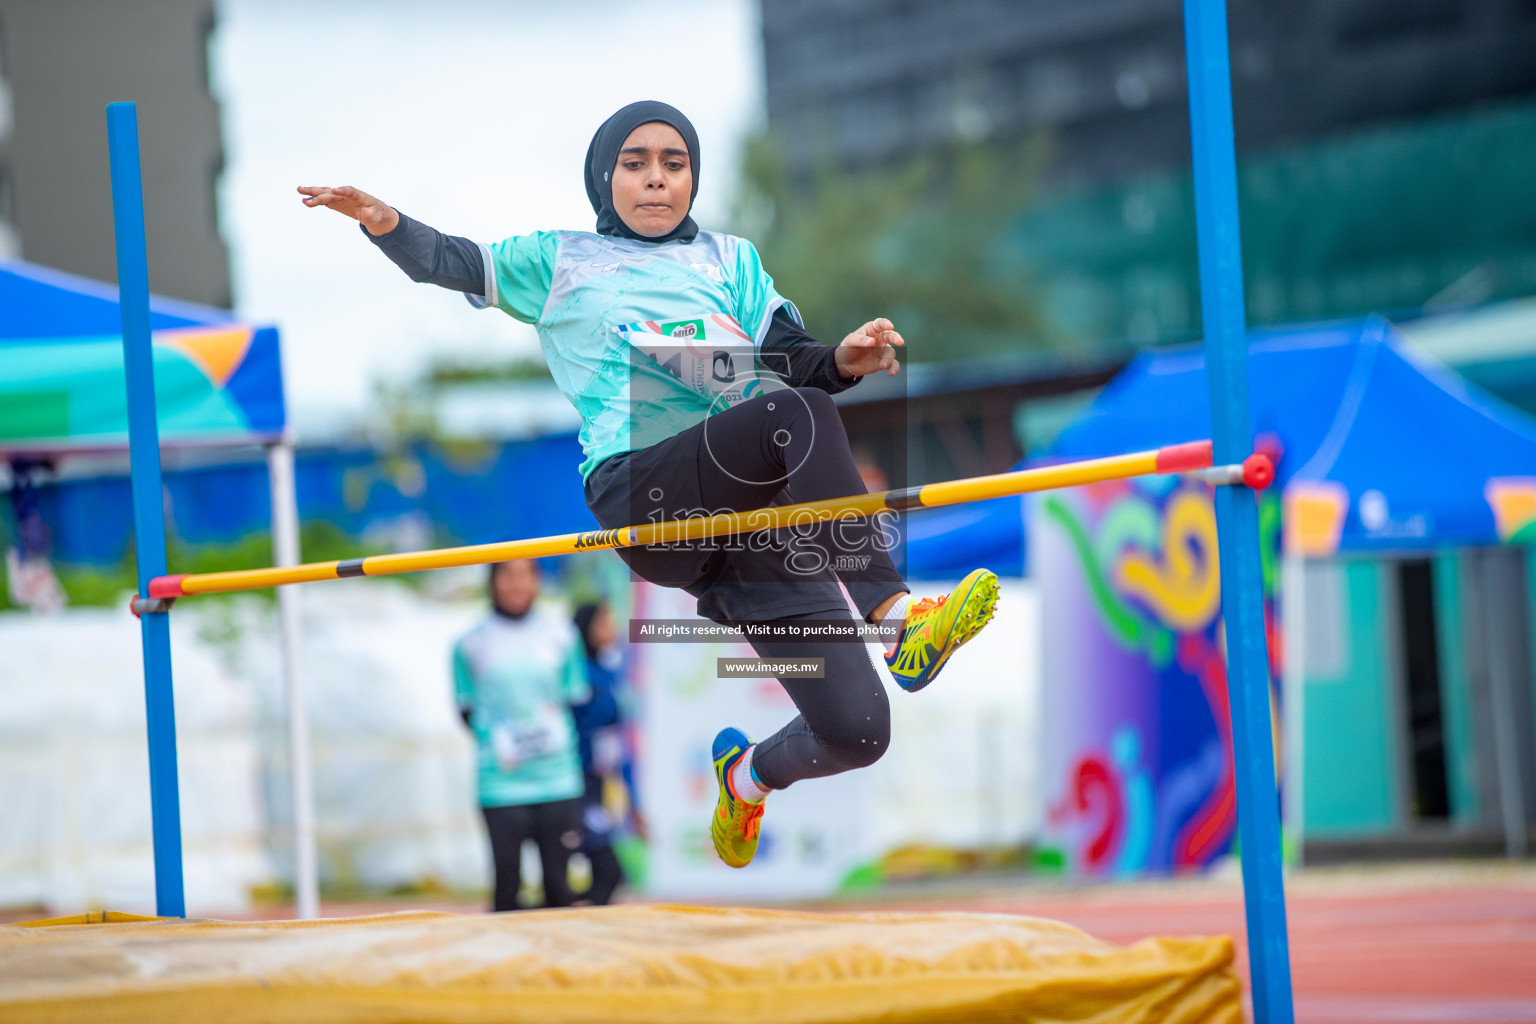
(217, 380)
(1380, 450)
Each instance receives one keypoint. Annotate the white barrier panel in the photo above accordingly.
(964, 763)
(74, 768)
(394, 777)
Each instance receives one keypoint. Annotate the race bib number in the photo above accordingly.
(516, 741)
(709, 353)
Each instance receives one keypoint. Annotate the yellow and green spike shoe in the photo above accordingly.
(735, 824)
(935, 628)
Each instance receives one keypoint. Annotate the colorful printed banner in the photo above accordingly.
(1136, 733)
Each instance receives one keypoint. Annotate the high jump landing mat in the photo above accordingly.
(608, 965)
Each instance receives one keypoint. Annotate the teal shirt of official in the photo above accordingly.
(518, 678)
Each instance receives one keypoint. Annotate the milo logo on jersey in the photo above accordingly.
(709, 353)
(706, 327)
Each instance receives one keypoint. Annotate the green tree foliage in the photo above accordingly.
(445, 371)
(914, 242)
(405, 411)
(110, 585)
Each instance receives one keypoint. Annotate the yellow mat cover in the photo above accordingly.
(605, 965)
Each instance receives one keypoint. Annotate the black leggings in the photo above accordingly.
(782, 447)
(844, 720)
(554, 826)
(607, 876)
(597, 844)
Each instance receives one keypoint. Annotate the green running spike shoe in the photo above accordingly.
(735, 824)
(936, 628)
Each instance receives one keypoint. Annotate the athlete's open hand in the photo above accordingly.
(374, 214)
(870, 350)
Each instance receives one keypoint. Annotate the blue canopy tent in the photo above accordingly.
(1380, 452)
(218, 381)
(1407, 455)
(946, 543)
(1438, 462)
(40, 302)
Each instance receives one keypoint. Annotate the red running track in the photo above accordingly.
(1441, 953)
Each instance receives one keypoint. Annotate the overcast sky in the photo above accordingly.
(472, 115)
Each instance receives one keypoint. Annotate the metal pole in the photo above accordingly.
(148, 510)
(1237, 513)
(285, 551)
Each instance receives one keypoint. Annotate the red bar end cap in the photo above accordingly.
(1181, 458)
(167, 586)
(1258, 471)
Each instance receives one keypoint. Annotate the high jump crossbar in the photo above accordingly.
(1194, 456)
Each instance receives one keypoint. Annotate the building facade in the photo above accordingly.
(1383, 145)
(61, 62)
(865, 82)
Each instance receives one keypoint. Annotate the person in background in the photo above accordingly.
(599, 728)
(515, 676)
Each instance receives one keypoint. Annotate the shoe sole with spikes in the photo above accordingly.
(930, 639)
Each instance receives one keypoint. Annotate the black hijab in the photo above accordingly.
(585, 615)
(603, 153)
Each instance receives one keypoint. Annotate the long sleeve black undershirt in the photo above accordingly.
(799, 359)
(430, 257)
(451, 261)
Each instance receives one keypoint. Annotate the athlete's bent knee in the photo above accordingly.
(866, 754)
(861, 745)
(817, 401)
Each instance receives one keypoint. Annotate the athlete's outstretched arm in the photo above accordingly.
(424, 253)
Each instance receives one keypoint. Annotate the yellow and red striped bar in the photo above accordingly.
(1179, 458)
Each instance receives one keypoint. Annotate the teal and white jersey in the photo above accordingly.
(519, 678)
(645, 340)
